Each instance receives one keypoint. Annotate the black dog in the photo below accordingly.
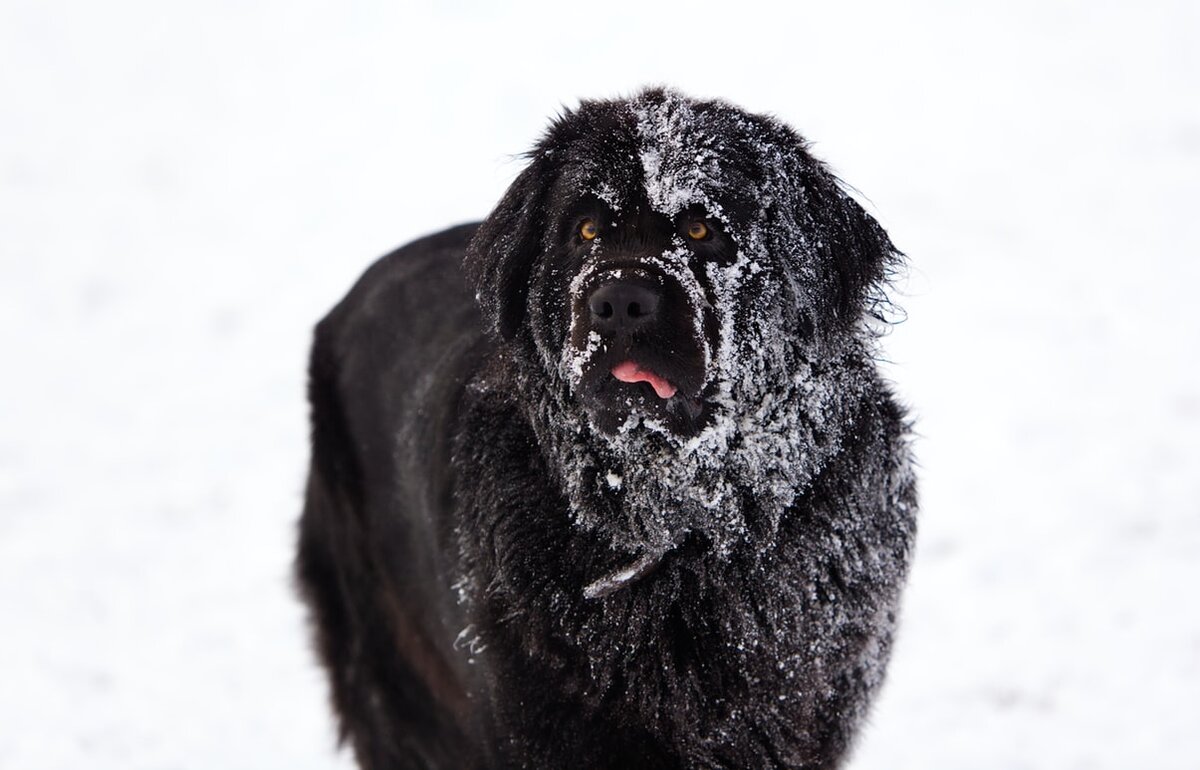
(610, 479)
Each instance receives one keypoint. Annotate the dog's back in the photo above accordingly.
(387, 369)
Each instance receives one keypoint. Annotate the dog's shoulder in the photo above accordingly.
(389, 361)
(432, 263)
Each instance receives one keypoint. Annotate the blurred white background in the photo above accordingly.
(186, 187)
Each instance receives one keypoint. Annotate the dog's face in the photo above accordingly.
(680, 286)
(656, 247)
(641, 328)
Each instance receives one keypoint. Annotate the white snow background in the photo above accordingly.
(186, 187)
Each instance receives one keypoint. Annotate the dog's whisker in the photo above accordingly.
(625, 576)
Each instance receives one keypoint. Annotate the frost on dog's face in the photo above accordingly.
(660, 291)
(640, 326)
(682, 375)
(642, 285)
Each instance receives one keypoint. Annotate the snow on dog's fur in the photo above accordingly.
(674, 541)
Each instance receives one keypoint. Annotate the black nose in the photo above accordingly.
(624, 305)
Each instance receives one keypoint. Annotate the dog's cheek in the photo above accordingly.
(759, 313)
(549, 316)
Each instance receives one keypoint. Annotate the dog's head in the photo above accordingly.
(681, 270)
(653, 245)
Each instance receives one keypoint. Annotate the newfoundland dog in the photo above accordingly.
(609, 479)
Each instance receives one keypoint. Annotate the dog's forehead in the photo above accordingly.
(665, 152)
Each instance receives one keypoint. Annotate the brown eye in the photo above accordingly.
(588, 230)
(697, 231)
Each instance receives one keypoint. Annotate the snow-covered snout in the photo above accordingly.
(640, 326)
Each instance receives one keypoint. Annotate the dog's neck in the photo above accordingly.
(644, 489)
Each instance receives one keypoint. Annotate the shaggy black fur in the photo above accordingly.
(515, 559)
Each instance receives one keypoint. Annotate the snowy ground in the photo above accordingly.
(185, 187)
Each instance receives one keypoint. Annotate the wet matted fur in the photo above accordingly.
(610, 479)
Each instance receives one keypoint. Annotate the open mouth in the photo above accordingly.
(630, 371)
(658, 395)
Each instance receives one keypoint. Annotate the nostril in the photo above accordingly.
(644, 307)
(601, 308)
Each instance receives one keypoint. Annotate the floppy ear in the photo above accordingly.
(852, 245)
(500, 257)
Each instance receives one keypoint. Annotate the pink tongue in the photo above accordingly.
(628, 371)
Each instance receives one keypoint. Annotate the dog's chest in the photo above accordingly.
(682, 643)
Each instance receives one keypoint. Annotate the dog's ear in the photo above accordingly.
(851, 245)
(500, 257)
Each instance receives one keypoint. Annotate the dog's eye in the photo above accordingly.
(697, 231)
(588, 230)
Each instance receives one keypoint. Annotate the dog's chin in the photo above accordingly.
(616, 405)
